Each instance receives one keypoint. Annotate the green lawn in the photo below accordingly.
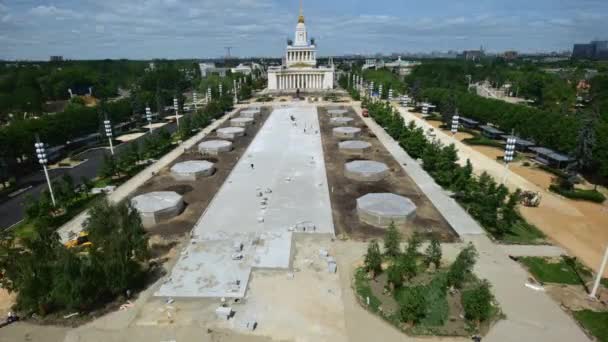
(551, 272)
(524, 233)
(595, 322)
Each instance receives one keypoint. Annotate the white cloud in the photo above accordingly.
(54, 12)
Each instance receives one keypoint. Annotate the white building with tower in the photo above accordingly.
(299, 70)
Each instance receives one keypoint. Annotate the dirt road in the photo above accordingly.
(578, 227)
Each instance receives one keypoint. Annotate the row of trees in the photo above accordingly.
(425, 303)
(49, 277)
(491, 204)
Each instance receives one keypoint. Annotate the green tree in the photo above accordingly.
(373, 258)
(394, 274)
(109, 168)
(392, 241)
(413, 244)
(477, 302)
(462, 266)
(409, 265)
(433, 253)
(412, 304)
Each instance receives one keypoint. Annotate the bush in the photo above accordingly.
(462, 267)
(477, 302)
(579, 194)
(412, 306)
(437, 308)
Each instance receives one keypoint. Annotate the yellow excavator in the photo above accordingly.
(81, 241)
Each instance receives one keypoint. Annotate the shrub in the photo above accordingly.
(579, 194)
(392, 241)
(412, 306)
(437, 308)
(462, 266)
(477, 302)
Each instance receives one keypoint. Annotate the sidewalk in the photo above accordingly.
(74, 226)
(530, 315)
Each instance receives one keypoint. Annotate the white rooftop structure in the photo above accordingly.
(299, 70)
(157, 206)
(380, 209)
(191, 170)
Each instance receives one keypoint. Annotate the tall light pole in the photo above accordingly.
(108, 127)
(599, 275)
(149, 117)
(236, 97)
(455, 123)
(509, 153)
(42, 159)
(176, 107)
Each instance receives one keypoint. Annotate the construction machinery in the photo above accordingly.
(82, 240)
(530, 198)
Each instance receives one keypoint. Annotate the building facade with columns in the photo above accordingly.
(299, 70)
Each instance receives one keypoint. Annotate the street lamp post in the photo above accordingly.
(455, 123)
(509, 153)
(149, 117)
(42, 159)
(236, 97)
(598, 277)
(176, 107)
(108, 127)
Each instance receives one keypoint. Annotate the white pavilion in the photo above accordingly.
(299, 70)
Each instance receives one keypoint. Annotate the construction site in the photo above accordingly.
(259, 230)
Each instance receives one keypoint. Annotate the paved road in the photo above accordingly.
(531, 315)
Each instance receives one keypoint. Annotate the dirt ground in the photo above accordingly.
(310, 297)
(574, 297)
(344, 191)
(197, 195)
(577, 226)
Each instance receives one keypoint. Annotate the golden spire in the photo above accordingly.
(301, 17)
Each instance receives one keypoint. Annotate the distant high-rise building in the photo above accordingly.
(597, 49)
(56, 59)
(473, 55)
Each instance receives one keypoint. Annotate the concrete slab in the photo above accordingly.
(214, 147)
(341, 121)
(230, 132)
(355, 147)
(366, 170)
(257, 207)
(241, 122)
(346, 132)
(382, 209)
(157, 206)
(334, 113)
(191, 170)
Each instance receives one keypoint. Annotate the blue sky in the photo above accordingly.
(93, 29)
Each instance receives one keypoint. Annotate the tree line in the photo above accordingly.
(491, 204)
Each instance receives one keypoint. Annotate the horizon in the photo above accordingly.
(188, 29)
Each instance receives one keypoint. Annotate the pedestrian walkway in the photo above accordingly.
(530, 315)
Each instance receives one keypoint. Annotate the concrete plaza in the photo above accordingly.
(277, 188)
